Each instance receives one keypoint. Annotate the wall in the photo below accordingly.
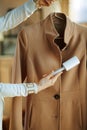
(6, 4)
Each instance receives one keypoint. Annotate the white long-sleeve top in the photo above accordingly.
(17, 15)
(13, 90)
(22, 89)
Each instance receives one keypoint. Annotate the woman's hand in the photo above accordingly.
(47, 81)
(43, 2)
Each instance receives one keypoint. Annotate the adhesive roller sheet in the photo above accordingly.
(67, 65)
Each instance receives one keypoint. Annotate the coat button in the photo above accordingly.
(56, 96)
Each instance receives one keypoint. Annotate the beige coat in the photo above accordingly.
(62, 106)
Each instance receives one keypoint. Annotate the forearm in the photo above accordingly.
(22, 89)
(16, 16)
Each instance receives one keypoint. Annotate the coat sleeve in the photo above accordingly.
(18, 76)
(17, 16)
(19, 71)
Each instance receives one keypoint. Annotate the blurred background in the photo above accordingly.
(76, 10)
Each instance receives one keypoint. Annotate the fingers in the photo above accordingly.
(45, 2)
(57, 75)
(48, 81)
(51, 75)
(44, 75)
(48, 2)
(48, 76)
(54, 78)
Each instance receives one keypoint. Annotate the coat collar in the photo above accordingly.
(49, 29)
(52, 33)
(69, 30)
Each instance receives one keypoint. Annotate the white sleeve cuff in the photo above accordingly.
(12, 90)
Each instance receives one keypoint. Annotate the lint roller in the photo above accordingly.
(67, 65)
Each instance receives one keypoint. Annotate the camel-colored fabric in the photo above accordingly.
(62, 106)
